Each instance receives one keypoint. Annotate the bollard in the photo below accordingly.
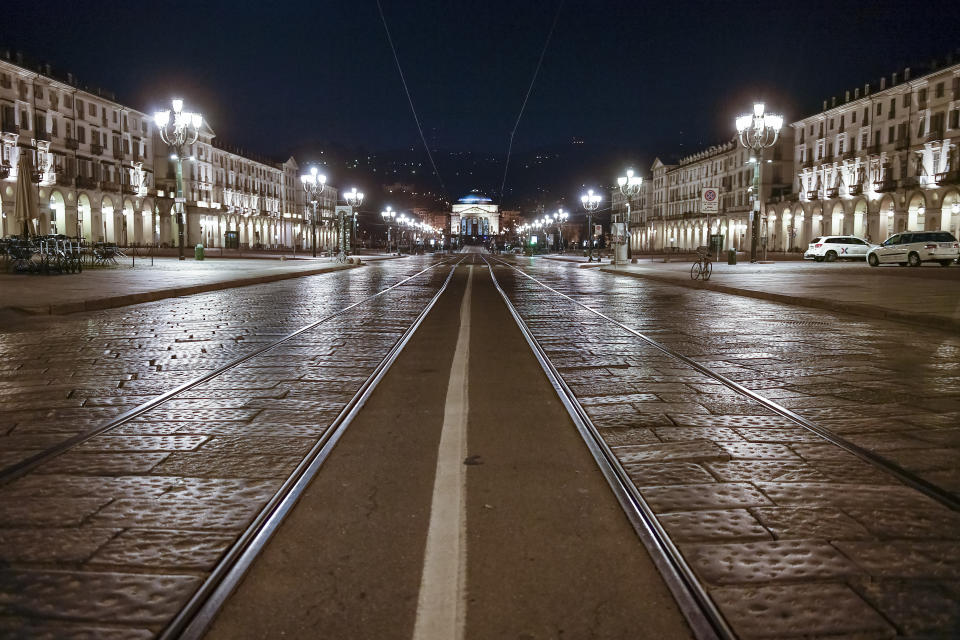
(198, 252)
(732, 256)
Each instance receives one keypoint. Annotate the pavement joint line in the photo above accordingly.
(705, 620)
(196, 616)
(114, 302)
(852, 308)
(441, 605)
(944, 497)
(19, 469)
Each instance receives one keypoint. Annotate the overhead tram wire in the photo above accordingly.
(410, 100)
(506, 164)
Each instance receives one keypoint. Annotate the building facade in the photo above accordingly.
(475, 216)
(667, 213)
(882, 160)
(102, 172)
(92, 157)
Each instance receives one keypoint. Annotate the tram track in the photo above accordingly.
(25, 466)
(692, 598)
(693, 595)
(199, 612)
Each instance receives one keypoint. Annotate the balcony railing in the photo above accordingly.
(111, 187)
(10, 127)
(948, 177)
(96, 149)
(64, 180)
(902, 143)
(912, 181)
(833, 192)
(73, 144)
(935, 135)
(117, 153)
(83, 182)
(855, 189)
(885, 185)
(813, 194)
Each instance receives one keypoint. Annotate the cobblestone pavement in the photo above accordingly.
(790, 534)
(109, 539)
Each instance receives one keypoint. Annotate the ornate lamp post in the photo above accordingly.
(560, 216)
(590, 202)
(313, 184)
(388, 216)
(758, 131)
(353, 198)
(178, 133)
(629, 186)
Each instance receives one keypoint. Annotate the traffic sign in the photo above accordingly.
(710, 200)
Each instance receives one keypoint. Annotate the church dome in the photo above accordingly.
(475, 197)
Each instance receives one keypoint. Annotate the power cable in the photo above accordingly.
(506, 164)
(410, 100)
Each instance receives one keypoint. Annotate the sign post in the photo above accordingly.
(710, 203)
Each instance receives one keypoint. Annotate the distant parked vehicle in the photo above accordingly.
(833, 248)
(916, 247)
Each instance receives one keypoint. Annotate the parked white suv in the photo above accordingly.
(831, 248)
(915, 248)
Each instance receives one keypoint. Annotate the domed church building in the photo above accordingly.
(475, 218)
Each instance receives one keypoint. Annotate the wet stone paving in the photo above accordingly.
(790, 534)
(110, 539)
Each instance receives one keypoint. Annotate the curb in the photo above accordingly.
(857, 309)
(112, 302)
(580, 264)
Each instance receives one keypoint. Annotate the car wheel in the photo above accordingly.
(818, 258)
(873, 260)
(945, 263)
(913, 259)
(831, 256)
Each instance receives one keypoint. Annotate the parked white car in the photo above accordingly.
(832, 248)
(916, 247)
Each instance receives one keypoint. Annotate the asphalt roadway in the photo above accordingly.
(461, 502)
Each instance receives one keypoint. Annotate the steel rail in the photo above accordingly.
(944, 497)
(698, 608)
(23, 467)
(193, 620)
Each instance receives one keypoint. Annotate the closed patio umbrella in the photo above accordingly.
(25, 208)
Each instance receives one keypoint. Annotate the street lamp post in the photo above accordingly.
(758, 131)
(388, 216)
(353, 198)
(313, 184)
(560, 216)
(590, 202)
(178, 133)
(629, 186)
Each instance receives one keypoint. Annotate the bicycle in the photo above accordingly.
(703, 267)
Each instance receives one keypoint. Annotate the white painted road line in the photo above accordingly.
(441, 606)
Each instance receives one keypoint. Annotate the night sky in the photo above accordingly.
(660, 77)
